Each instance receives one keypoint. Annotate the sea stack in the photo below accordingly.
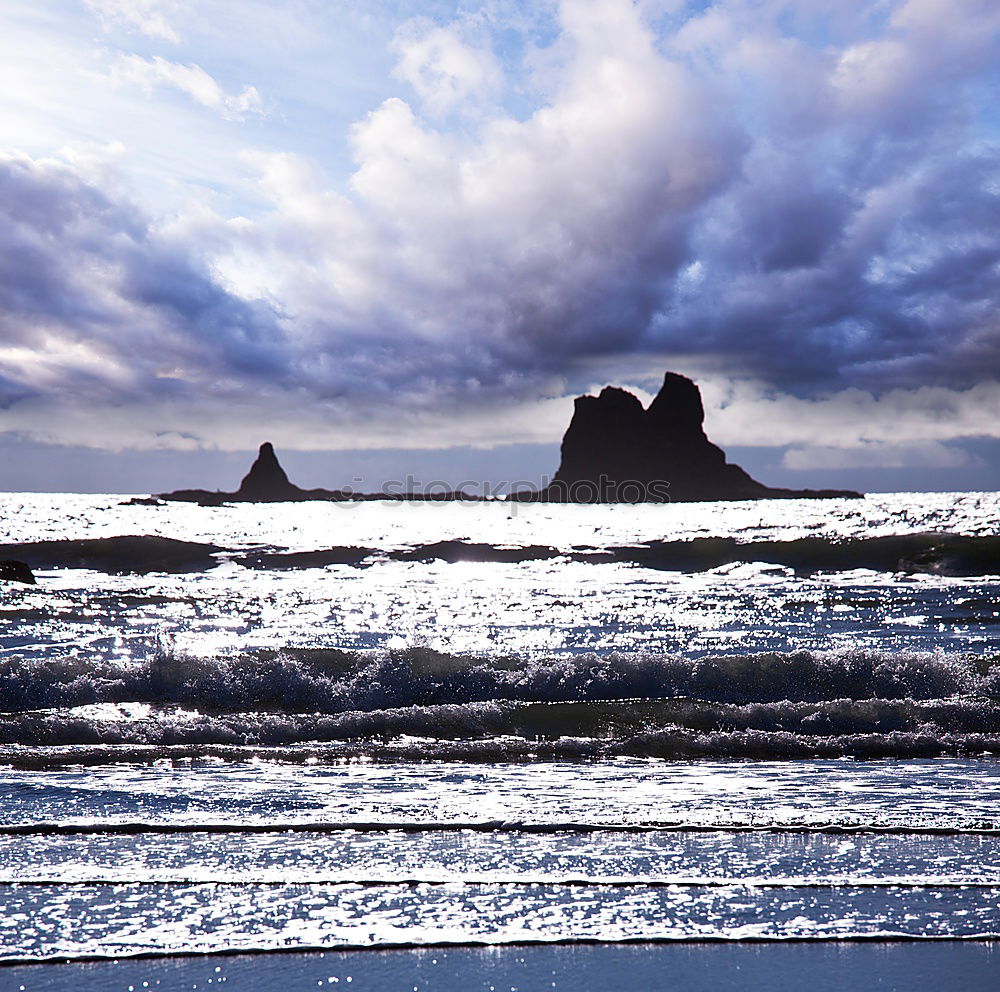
(266, 482)
(617, 451)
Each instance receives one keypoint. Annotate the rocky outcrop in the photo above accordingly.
(617, 451)
(16, 571)
(266, 481)
(139, 553)
(614, 451)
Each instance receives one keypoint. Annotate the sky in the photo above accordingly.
(397, 238)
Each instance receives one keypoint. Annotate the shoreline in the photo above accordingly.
(917, 965)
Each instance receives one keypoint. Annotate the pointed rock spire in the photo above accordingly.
(266, 479)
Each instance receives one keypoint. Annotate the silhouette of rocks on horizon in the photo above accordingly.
(267, 482)
(616, 451)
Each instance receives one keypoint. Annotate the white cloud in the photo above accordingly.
(445, 71)
(851, 420)
(149, 17)
(189, 79)
(876, 455)
(929, 43)
(195, 422)
(98, 306)
(524, 236)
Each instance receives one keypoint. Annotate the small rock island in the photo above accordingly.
(266, 482)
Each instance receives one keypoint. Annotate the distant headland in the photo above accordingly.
(614, 451)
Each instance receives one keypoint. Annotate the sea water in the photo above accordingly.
(582, 737)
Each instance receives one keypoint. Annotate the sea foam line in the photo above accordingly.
(574, 882)
(57, 828)
(880, 937)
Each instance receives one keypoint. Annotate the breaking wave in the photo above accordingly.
(321, 680)
(419, 703)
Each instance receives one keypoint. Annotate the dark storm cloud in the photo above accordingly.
(879, 286)
(815, 216)
(94, 302)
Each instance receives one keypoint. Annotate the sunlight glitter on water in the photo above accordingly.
(331, 791)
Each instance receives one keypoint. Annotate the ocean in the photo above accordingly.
(491, 745)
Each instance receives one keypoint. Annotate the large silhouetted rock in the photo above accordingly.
(616, 451)
(266, 481)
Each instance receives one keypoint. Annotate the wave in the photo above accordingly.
(929, 553)
(933, 553)
(251, 955)
(504, 732)
(671, 746)
(328, 681)
(925, 553)
(606, 720)
(134, 553)
(424, 704)
(892, 827)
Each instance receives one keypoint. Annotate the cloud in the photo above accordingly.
(149, 17)
(752, 413)
(189, 79)
(444, 70)
(99, 308)
(801, 200)
(248, 416)
(114, 334)
(880, 456)
(857, 244)
(529, 243)
(728, 190)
